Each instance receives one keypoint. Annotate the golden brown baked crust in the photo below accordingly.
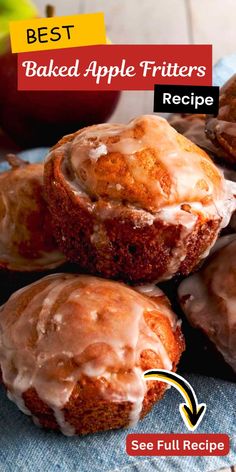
(208, 298)
(193, 127)
(222, 129)
(26, 239)
(73, 350)
(137, 202)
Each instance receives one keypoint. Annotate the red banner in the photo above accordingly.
(115, 67)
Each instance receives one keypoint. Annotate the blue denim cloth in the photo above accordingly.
(26, 448)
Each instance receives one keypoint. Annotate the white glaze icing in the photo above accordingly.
(118, 187)
(230, 176)
(150, 290)
(137, 398)
(66, 428)
(208, 298)
(191, 185)
(95, 153)
(185, 168)
(38, 350)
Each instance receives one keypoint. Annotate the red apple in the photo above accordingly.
(34, 119)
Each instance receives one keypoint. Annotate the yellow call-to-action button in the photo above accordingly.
(58, 32)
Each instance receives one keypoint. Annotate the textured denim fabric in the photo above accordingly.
(26, 448)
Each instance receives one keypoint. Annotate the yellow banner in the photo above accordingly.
(58, 32)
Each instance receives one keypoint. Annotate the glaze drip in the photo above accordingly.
(120, 151)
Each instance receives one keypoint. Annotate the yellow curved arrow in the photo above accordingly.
(191, 411)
